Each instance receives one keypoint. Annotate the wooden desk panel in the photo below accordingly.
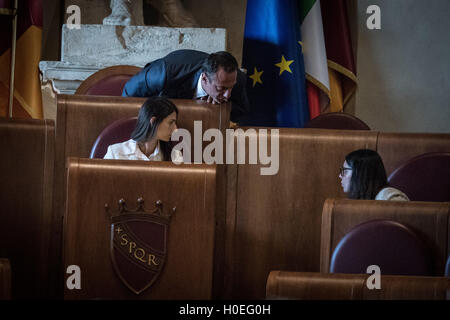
(188, 270)
(275, 223)
(26, 169)
(397, 148)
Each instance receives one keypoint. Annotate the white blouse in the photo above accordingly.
(129, 150)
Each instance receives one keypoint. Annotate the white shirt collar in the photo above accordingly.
(199, 92)
(134, 149)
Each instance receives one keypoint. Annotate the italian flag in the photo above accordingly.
(328, 55)
(315, 57)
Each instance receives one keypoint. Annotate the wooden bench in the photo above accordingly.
(81, 118)
(339, 286)
(274, 222)
(429, 220)
(26, 187)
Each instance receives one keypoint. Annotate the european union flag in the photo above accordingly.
(272, 55)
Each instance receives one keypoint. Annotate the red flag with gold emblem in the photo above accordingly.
(341, 65)
(27, 90)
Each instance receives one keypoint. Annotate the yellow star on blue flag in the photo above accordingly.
(256, 76)
(284, 65)
(272, 40)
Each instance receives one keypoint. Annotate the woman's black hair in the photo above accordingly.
(160, 108)
(368, 174)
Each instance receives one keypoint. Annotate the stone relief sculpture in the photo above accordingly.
(173, 14)
(122, 13)
(170, 13)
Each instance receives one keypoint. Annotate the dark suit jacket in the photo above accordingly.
(176, 76)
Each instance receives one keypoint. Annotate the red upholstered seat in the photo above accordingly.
(107, 82)
(118, 131)
(337, 120)
(392, 246)
(424, 178)
(109, 86)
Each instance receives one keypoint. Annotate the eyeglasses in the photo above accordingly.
(343, 169)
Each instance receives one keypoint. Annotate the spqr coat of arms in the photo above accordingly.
(139, 244)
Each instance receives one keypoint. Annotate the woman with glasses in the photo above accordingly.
(363, 177)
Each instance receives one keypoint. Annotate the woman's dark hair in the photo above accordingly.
(219, 59)
(160, 108)
(368, 174)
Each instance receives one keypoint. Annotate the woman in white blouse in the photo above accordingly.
(150, 139)
(363, 176)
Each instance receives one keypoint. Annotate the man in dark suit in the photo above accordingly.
(190, 74)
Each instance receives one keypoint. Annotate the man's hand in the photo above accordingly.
(210, 99)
